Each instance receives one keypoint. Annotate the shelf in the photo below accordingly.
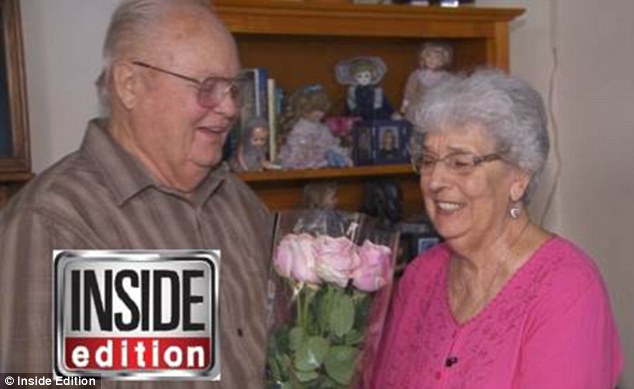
(307, 18)
(14, 177)
(300, 43)
(310, 38)
(283, 189)
(329, 173)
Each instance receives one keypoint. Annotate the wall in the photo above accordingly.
(590, 80)
(593, 92)
(597, 188)
(62, 41)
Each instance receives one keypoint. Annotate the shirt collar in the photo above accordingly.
(125, 176)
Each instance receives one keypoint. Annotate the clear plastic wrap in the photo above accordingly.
(333, 275)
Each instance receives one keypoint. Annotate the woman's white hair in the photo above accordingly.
(132, 26)
(508, 108)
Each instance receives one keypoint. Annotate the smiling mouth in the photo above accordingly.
(212, 130)
(446, 206)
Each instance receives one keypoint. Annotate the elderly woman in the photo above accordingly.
(502, 303)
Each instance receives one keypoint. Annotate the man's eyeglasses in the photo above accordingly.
(211, 90)
(457, 163)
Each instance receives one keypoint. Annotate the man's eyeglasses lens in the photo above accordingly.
(213, 89)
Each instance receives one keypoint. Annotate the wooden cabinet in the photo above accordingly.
(300, 43)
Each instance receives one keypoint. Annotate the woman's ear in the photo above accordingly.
(521, 179)
(125, 83)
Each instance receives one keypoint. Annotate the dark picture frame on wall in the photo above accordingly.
(15, 161)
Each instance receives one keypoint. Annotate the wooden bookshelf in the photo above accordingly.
(299, 42)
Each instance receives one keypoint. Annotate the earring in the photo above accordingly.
(515, 212)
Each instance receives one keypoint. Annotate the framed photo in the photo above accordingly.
(14, 140)
(392, 143)
(424, 243)
(363, 144)
(381, 142)
(416, 237)
(254, 105)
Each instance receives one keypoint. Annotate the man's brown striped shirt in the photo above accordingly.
(100, 197)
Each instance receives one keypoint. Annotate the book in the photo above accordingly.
(272, 118)
(255, 95)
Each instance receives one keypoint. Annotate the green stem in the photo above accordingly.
(305, 311)
(300, 322)
(331, 292)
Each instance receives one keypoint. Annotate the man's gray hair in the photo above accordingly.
(508, 108)
(132, 25)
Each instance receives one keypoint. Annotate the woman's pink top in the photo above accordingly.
(551, 326)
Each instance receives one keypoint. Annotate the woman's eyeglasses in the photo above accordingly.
(211, 90)
(457, 163)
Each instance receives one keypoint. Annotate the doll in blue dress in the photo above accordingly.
(365, 96)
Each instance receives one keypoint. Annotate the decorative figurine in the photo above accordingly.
(433, 59)
(309, 143)
(251, 152)
(320, 195)
(383, 199)
(321, 210)
(365, 96)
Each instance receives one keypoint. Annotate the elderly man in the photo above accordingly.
(147, 177)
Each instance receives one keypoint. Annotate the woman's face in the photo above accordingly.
(469, 209)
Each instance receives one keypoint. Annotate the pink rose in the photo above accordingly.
(336, 259)
(295, 258)
(375, 269)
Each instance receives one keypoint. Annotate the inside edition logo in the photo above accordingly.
(136, 314)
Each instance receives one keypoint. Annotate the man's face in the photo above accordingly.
(180, 139)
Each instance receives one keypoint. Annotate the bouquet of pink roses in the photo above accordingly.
(336, 274)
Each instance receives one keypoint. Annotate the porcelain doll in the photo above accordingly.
(320, 195)
(309, 144)
(433, 60)
(365, 96)
(322, 214)
(252, 149)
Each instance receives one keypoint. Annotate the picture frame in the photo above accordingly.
(381, 142)
(416, 237)
(15, 161)
(424, 243)
(254, 104)
(363, 149)
(391, 142)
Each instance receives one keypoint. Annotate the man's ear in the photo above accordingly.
(520, 182)
(125, 84)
